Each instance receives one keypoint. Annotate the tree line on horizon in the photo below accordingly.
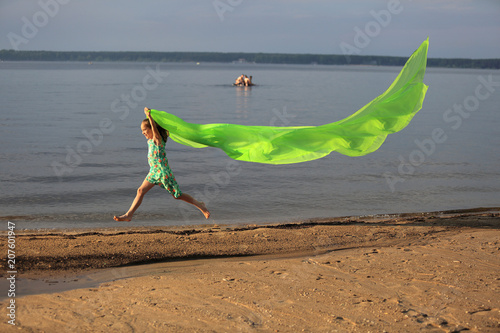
(262, 58)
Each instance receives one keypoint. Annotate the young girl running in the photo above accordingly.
(159, 173)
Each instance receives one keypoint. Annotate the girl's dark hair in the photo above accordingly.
(163, 132)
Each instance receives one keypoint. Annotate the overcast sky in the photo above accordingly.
(457, 28)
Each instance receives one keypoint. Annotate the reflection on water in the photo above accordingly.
(243, 95)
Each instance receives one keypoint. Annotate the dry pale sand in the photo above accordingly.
(408, 274)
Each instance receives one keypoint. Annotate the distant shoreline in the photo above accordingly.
(240, 58)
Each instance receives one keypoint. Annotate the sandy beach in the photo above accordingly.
(412, 273)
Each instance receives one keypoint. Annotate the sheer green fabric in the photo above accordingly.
(359, 134)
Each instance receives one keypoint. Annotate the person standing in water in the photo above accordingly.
(159, 172)
(247, 81)
(240, 80)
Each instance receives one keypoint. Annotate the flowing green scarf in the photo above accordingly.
(359, 134)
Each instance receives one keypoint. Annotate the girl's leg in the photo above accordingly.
(198, 204)
(141, 191)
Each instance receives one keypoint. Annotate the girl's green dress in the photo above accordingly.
(160, 172)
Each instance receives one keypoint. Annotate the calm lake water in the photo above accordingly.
(73, 155)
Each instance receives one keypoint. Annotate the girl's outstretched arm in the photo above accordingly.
(156, 135)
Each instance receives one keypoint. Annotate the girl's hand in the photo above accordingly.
(147, 111)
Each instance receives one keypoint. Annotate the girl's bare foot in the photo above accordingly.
(123, 218)
(204, 210)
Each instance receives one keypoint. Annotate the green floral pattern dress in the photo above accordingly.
(159, 172)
